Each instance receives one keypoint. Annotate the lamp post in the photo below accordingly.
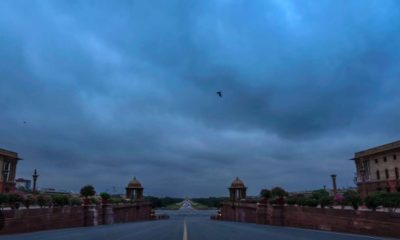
(34, 176)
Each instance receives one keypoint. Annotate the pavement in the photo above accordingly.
(185, 224)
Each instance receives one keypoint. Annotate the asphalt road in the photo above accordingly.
(184, 225)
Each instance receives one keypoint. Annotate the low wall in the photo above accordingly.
(28, 220)
(131, 213)
(339, 220)
(37, 219)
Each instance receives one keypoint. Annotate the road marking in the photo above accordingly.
(185, 235)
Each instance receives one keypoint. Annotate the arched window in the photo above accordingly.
(386, 173)
(378, 176)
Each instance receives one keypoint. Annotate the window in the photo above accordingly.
(376, 160)
(378, 176)
(384, 159)
(396, 171)
(394, 157)
(387, 173)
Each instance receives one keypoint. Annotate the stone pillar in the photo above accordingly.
(90, 215)
(276, 215)
(333, 176)
(34, 176)
(261, 214)
(107, 214)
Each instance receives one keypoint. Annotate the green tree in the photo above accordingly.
(105, 195)
(87, 191)
(374, 200)
(278, 192)
(265, 193)
(353, 198)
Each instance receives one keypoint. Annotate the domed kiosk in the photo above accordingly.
(134, 190)
(237, 190)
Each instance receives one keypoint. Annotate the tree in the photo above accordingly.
(265, 193)
(278, 192)
(88, 191)
(105, 195)
(374, 200)
(353, 198)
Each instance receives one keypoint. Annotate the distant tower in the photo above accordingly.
(134, 191)
(333, 176)
(237, 190)
(34, 176)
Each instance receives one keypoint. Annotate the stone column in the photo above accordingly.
(334, 184)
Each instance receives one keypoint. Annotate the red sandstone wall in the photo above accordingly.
(131, 213)
(349, 221)
(28, 220)
(360, 222)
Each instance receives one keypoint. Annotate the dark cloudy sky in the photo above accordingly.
(116, 89)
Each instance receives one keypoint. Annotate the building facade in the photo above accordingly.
(378, 169)
(8, 164)
(21, 183)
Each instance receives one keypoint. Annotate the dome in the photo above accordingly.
(134, 183)
(237, 183)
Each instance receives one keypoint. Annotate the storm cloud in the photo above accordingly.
(112, 90)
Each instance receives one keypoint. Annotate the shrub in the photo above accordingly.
(391, 201)
(325, 201)
(14, 200)
(75, 201)
(60, 200)
(3, 199)
(29, 200)
(105, 195)
(311, 202)
(353, 198)
(88, 191)
(44, 200)
(291, 201)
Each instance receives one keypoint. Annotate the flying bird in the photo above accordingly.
(219, 93)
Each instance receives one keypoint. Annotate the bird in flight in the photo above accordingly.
(219, 93)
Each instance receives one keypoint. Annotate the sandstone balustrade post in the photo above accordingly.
(277, 215)
(90, 215)
(262, 213)
(107, 214)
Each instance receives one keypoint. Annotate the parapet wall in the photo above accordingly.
(339, 220)
(29, 220)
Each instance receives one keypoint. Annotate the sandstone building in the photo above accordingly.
(8, 164)
(378, 169)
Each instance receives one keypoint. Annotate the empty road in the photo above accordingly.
(184, 225)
